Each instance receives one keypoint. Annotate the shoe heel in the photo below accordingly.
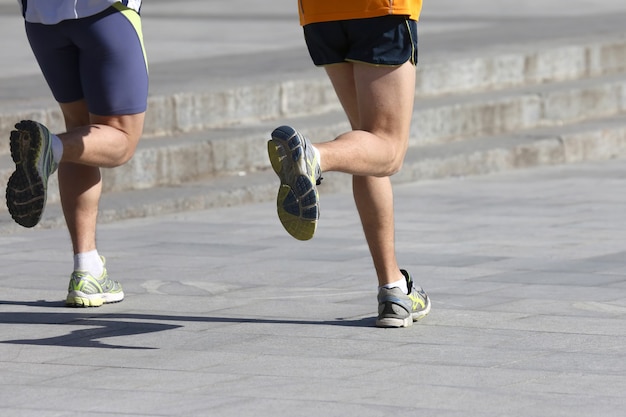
(276, 154)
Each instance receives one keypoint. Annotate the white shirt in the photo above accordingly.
(50, 12)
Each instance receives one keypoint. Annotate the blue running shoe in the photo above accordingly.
(294, 160)
(397, 309)
(26, 193)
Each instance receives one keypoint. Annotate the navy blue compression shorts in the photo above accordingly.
(386, 40)
(100, 58)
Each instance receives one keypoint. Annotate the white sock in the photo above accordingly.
(89, 262)
(401, 283)
(57, 148)
(317, 155)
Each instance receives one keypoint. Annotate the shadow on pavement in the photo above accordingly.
(104, 325)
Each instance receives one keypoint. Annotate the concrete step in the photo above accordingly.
(504, 110)
(175, 159)
(176, 108)
(597, 139)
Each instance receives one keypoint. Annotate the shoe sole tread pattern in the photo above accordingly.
(26, 190)
(297, 201)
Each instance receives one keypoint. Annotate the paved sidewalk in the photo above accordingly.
(226, 315)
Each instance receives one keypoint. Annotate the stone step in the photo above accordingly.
(175, 108)
(512, 108)
(175, 159)
(597, 139)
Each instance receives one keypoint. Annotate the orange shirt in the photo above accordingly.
(312, 11)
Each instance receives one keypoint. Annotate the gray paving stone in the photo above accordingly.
(226, 315)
